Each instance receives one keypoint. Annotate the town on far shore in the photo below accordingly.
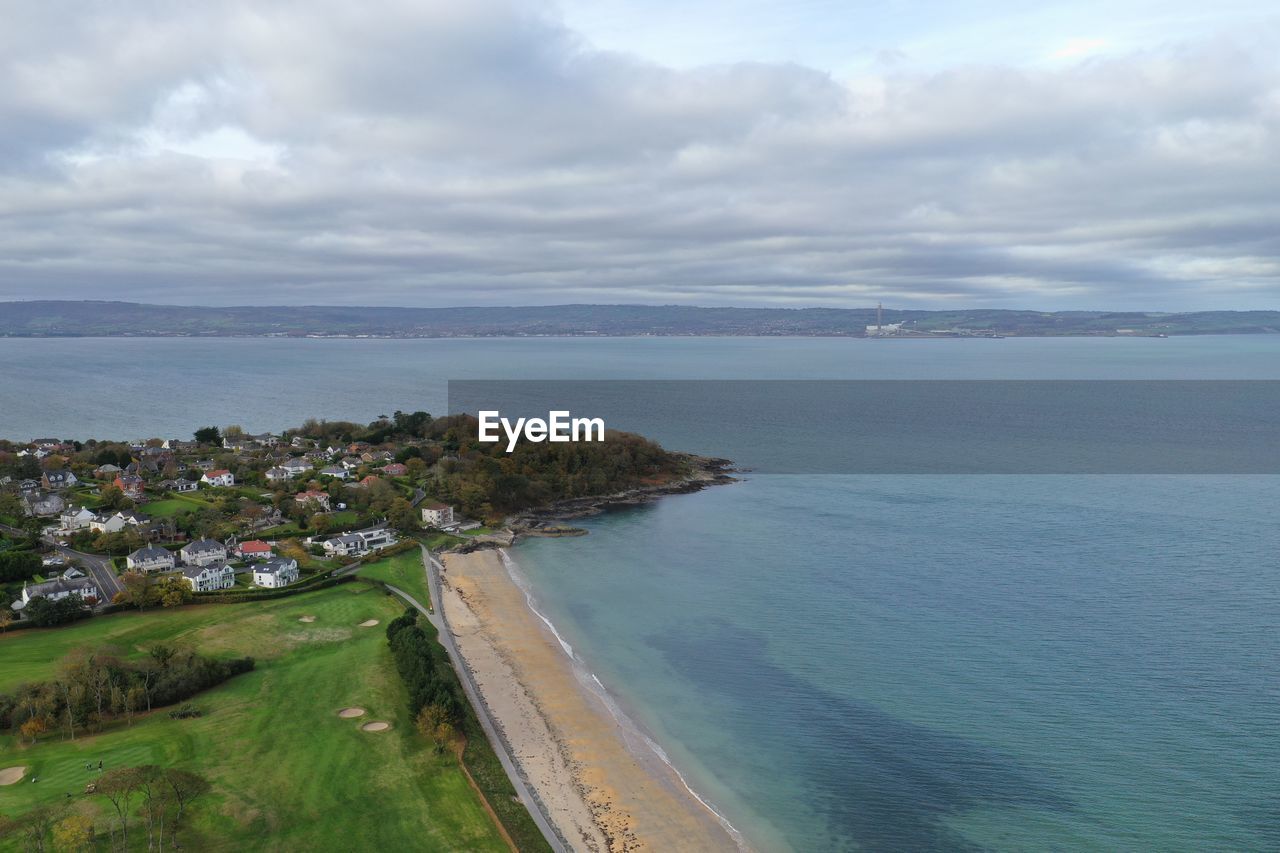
(97, 525)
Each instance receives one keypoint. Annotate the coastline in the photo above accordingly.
(603, 784)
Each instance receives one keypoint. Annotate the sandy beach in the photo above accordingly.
(600, 795)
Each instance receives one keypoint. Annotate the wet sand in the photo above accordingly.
(600, 795)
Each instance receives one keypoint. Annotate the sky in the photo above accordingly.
(1120, 155)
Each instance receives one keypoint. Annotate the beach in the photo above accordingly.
(601, 793)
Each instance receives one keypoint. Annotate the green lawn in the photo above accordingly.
(403, 570)
(288, 774)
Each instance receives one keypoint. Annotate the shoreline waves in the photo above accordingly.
(605, 784)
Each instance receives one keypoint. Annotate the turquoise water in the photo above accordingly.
(841, 662)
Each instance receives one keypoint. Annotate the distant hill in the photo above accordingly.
(116, 319)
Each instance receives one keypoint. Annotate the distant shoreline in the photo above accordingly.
(68, 319)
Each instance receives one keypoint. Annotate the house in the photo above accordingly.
(43, 505)
(334, 471)
(210, 577)
(58, 480)
(203, 553)
(205, 464)
(395, 469)
(219, 477)
(179, 485)
(119, 521)
(131, 485)
(437, 515)
(75, 518)
(265, 439)
(296, 465)
(278, 474)
(351, 463)
(47, 443)
(60, 588)
(107, 472)
(150, 559)
(317, 499)
(255, 549)
(369, 481)
(359, 542)
(275, 573)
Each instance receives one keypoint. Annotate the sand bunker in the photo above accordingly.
(348, 713)
(306, 618)
(368, 623)
(375, 727)
(9, 775)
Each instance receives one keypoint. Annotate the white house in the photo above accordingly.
(335, 471)
(219, 477)
(150, 559)
(279, 572)
(75, 518)
(360, 542)
(119, 521)
(278, 475)
(181, 485)
(203, 553)
(60, 588)
(209, 578)
(296, 465)
(437, 515)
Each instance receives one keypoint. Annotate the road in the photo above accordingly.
(104, 574)
(437, 618)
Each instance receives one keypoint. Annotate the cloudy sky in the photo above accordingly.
(993, 153)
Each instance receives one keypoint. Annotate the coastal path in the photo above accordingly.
(437, 619)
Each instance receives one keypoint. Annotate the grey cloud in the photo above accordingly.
(441, 153)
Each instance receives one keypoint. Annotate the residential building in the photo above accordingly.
(43, 505)
(437, 515)
(107, 472)
(278, 475)
(279, 572)
(203, 552)
(119, 521)
(335, 471)
(75, 518)
(254, 549)
(58, 480)
(320, 500)
(219, 477)
(360, 542)
(296, 465)
(395, 469)
(150, 559)
(60, 588)
(210, 577)
(131, 485)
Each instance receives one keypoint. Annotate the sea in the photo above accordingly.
(845, 661)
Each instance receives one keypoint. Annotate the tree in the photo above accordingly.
(34, 727)
(138, 590)
(36, 824)
(209, 435)
(184, 787)
(6, 619)
(113, 498)
(433, 723)
(119, 787)
(173, 592)
(73, 833)
(44, 612)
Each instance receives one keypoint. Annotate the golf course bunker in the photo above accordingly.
(10, 775)
(368, 623)
(306, 618)
(378, 726)
(350, 713)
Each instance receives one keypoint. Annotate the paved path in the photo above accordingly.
(437, 618)
(104, 574)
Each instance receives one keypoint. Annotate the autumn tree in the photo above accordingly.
(73, 833)
(433, 723)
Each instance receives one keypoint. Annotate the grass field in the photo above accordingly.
(403, 570)
(288, 774)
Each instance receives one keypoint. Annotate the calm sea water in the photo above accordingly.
(849, 662)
